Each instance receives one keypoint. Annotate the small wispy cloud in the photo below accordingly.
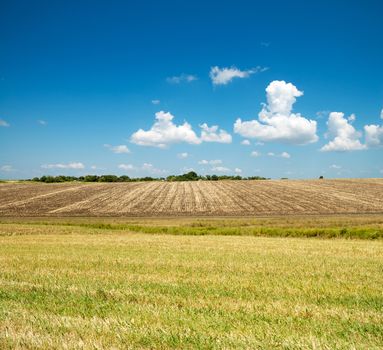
(223, 76)
(42, 122)
(220, 169)
(119, 149)
(281, 155)
(146, 167)
(126, 167)
(73, 165)
(246, 143)
(95, 167)
(183, 78)
(150, 168)
(7, 168)
(156, 102)
(183, 155)
(255, 154)
(322, 114)
(211, 162)
(4, 124)
(351, 118)
(285, 155)
(335, 166)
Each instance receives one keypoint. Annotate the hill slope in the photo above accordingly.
(277, 197)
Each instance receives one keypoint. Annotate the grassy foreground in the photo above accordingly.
(335, 226)
(68, 286)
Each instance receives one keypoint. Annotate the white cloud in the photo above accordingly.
(282, 155)
(246, 142)
(215, 161)
(4, 123)
(126, 167)
(334, 166)
(220, 169)
(276, 120)
(118, 149)
(213, 134)
(211, 162)
(42, 122)
(345, 137)
(151, 169)
(374, 135)
(223, 76)
(7, 168)
(322, 114)
(146, 167)
(164, 132)
(351, 118)
(181, 78)
(183, 155)
(285, 155)
(156, 102)
(255, 154)
(74, 165)
(238, 171)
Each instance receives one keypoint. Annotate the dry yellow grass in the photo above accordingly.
(78, 287)
(221, 198)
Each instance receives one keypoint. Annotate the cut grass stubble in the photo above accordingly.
(90, 285)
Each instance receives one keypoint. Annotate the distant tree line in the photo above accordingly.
(190, 176)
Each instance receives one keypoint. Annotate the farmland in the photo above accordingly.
(72, 286)
(200, 198)
(192, 265)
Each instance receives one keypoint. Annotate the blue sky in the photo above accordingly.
(81, 83)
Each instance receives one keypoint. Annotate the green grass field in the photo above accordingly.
(83, 284)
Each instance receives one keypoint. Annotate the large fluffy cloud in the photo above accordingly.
(223, 76)
(213, 134)
(344, 136)
(276, 120)
(165, 132)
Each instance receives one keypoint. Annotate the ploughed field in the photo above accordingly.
(215, 198)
